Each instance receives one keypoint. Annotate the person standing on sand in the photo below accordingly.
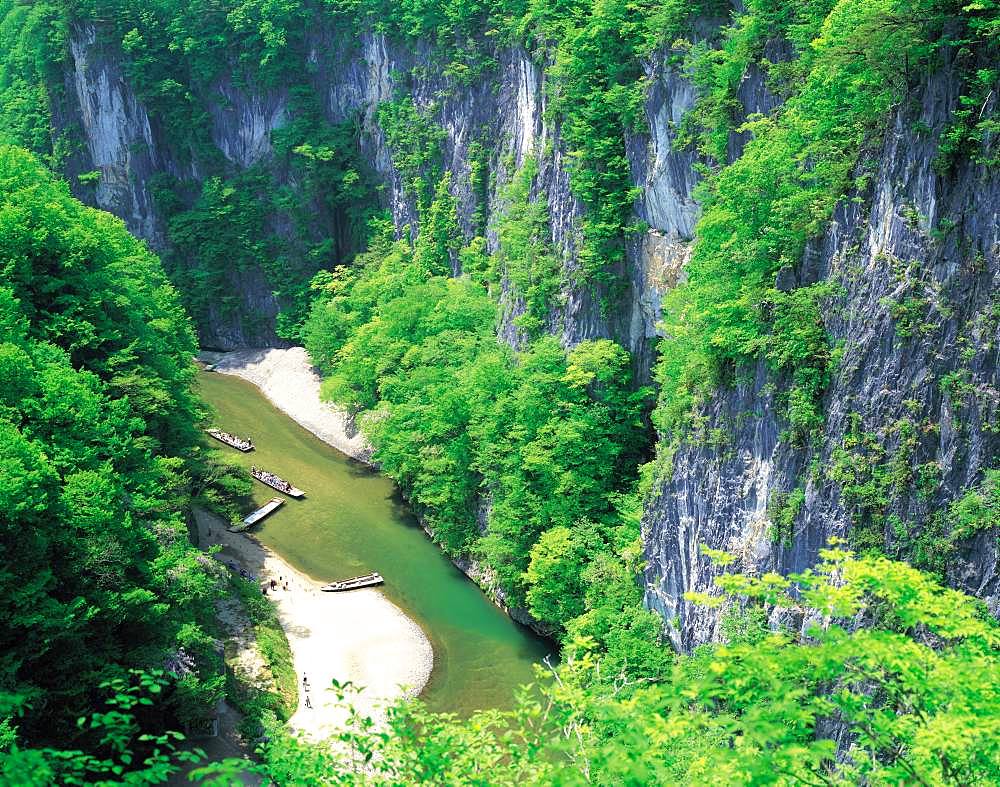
(308, 702)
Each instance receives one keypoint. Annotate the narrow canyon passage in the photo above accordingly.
(353, 521)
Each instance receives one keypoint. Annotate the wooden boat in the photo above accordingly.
(231, 440)
(276, 482)
(265, 510)
(366, 581)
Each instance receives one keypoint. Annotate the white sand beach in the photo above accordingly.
(359, 636)
(286, 377)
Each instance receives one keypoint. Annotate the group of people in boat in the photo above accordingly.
(236, 442)
(270, 478)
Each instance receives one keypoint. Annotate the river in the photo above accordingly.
(353, 521)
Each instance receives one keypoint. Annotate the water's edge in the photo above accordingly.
(287, 379)
(290, 382)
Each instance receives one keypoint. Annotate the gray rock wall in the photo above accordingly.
(504, 112)
(916, 237)
(117, 134)
(122, 142)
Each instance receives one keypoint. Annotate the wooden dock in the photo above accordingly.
(276, 482)
(366, 581)
(239, 443)
(261, 513)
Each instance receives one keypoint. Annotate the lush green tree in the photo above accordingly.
(99, 445)
(133, 747)
(910, 697)
(555, 576)
(547, 438)
(32, 39)
(525, 258)
(978, 509)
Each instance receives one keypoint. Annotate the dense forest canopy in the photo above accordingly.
(99, 431)
(529, 455)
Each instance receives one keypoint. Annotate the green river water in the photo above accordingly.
(353, 521)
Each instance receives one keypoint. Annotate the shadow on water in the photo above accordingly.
(359, 469)
(402, 510)
(353, 521)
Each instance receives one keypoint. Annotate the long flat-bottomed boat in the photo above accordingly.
(276, 482)
(239, 443)
(252, 519)
(366, 581)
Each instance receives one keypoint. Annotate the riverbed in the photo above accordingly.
(353, 521)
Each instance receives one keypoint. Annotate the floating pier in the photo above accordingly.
(265, 510)
(276, 482)
(239, 443)
(368, 580)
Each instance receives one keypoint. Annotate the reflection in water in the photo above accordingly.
(353, 521)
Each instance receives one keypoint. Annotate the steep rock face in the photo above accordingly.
(128, 148)
(118, 136)
(667, 178)
(242, 122)
(502, 114)
(917, 389)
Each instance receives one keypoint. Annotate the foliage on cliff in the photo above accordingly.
(233, 224)
(302, 210)
(849, 66)
(912, 696)
(98, 448)
(32, 43)
(549, 438)
(175, 54)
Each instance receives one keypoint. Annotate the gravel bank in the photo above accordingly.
(287, 378)
(359, 636)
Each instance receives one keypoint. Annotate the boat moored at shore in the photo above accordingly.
(264, 511)
(365, 581)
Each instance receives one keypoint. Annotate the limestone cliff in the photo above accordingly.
(916, 237)
(914, 255)
(504, 114)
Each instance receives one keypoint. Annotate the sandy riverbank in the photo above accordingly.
(288, 380)
(359, 636)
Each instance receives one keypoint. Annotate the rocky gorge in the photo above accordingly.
(912, 255)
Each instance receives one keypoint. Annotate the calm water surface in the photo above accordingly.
(353, 521)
